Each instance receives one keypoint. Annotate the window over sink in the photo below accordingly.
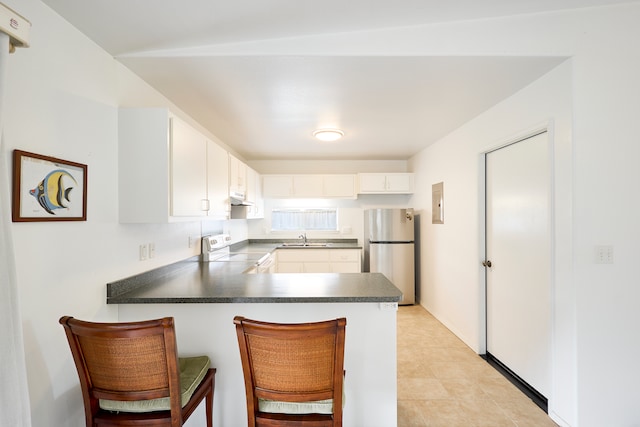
(304, 219)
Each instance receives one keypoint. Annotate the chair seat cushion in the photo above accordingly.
(192, 371)
(279, 407)
(312, 407)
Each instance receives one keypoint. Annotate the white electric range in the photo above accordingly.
(215, 248)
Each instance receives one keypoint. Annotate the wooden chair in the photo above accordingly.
(130, 373)
(293, 373)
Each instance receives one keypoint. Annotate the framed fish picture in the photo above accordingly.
(48, 189)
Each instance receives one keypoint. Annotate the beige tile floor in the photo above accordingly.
(442, 382)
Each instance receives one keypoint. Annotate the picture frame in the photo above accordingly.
(48, 189)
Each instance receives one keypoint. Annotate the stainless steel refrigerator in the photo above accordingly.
(389, 248)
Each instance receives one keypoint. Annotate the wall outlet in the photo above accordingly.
(389, 306)
(152, 250)
(143, 252)
(604, 254)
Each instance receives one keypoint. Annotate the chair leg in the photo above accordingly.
(209, 404)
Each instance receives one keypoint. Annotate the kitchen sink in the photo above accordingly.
(305, 245)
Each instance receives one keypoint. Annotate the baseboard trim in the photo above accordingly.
(526, 388)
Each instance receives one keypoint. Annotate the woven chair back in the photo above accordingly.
(132, 361)
(292, 362)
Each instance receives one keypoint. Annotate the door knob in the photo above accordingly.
(486, 263)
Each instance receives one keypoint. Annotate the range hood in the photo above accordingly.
(238, 198)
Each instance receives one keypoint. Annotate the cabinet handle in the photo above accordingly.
(486, 263)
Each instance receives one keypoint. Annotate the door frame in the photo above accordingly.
(482, 250)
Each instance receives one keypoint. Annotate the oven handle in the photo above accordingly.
(264, 266)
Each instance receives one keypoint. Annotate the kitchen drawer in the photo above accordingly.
(303, 255)
(344, 255)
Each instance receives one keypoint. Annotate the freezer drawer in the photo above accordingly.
(396, 261)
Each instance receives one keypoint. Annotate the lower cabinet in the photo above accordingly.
(319, 261)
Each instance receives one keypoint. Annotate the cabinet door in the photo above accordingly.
(345, 261)
(372, 183)
(188, 170)
(340, 186)
(307, 186)
(254, 194)
(400, 183)
(345, 267)
(218, 181)
(253, 177)
(237, 175)
(277, 186)
(380, 183)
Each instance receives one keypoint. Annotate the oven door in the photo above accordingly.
(267, 266)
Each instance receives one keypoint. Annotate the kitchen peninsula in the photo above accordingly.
(204, 297)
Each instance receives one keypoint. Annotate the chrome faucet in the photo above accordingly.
(303, 236)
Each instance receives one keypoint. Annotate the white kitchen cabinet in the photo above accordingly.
(277, 185)
(188, 160)
(345, 260)
(340, 186)
(292, 186)
(309, 186)
(162, 168)
(254, 195)
(319, 261)
(385, 183)
(218, 182)
(237, 175)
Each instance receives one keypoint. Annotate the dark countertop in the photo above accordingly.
(192, 281)
(257, 245)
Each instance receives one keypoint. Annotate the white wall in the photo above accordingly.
(62, 99)
(456, 295)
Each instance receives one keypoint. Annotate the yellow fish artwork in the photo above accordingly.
(51, 192)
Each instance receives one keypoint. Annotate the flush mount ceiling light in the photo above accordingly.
(328, 134)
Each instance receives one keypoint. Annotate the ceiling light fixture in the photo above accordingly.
(328, 134)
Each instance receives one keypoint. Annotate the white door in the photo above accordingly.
(518, 238)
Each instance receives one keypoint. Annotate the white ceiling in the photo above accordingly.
(266, 106)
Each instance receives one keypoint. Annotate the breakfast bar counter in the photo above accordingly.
(203, 298)
(196, 282)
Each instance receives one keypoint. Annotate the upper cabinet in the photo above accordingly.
(188, 159)
(237, 176)
(245, 187)
(168, 171)
(340, 186)
(254, 195)
(309, 186)
(385, 183)
(218, 182)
